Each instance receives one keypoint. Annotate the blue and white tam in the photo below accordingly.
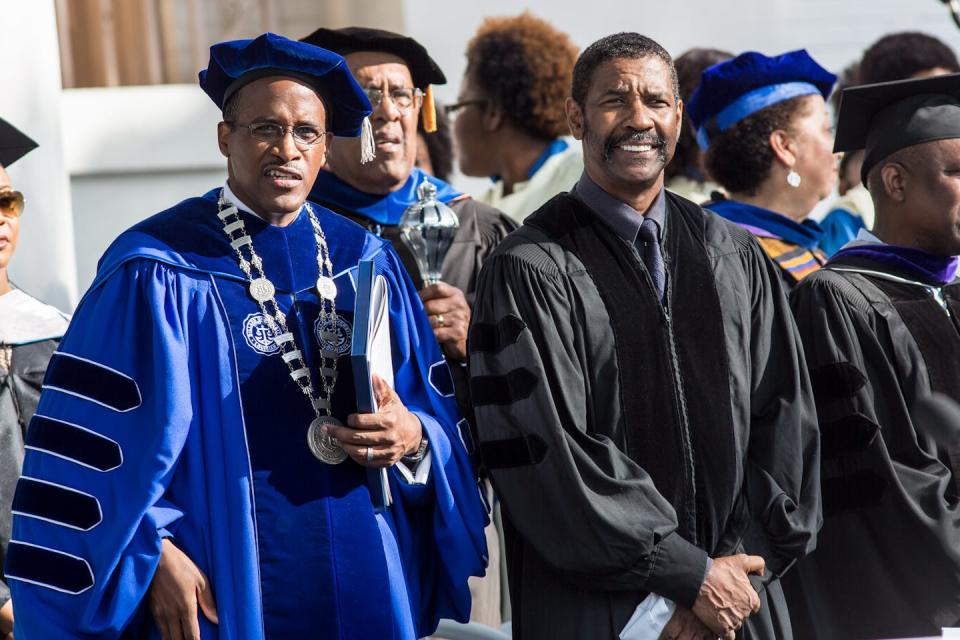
(732, 90)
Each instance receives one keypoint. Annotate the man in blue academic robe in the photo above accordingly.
(173, 425)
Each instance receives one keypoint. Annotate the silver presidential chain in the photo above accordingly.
(324, 447)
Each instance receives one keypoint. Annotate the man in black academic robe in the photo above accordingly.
(881, 327)
(640, 390)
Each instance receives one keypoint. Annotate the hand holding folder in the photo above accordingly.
(371, 354)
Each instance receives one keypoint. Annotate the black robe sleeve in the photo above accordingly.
(783, 454)
(19, 394)
(888, 562)
(552, 472)
(863, 389)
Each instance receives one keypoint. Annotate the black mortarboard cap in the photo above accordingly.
(423, 69)
(885, 117)
(14, 144)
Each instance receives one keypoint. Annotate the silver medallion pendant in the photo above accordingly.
(325, 448)
(327, 288)
(262, 289)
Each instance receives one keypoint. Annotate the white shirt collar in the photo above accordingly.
(865, 236)
(232, 198)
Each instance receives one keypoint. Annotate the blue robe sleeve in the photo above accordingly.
(439, 524)
(113, 417)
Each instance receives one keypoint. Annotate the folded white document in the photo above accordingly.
(649, 619)
(370, 354)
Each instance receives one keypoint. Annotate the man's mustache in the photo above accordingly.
(638, 137)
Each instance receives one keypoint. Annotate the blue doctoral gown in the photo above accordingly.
(168, 412)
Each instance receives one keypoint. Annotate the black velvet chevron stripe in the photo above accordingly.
(515, 385)
(858, 490)
(493, 338)
(513, 452)
(73, 443)
(92, 381)
(56, 504)
(47, 568)
(848, 435)
(836, 381)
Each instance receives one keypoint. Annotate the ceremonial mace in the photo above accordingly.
(427, 229)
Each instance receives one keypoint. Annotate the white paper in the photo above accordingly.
(649, 619)
(379, 352)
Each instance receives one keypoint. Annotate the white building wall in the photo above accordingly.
(132, 152)
(44, 264)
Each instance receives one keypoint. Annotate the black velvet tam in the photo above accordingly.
(353, 39)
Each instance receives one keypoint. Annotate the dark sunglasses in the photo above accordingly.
(11, 203)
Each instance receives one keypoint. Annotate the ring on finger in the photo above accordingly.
(440, 320)
(369, 454)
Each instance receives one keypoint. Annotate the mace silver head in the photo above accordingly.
(427, 229)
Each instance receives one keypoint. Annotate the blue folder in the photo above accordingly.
(364, 317)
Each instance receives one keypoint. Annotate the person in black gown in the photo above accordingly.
(29, 333)
(881, 328)
(640, 389)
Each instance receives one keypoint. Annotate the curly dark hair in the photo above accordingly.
(900, 55)
(439, 145)
(616, 47)
(525, 65)
(690, 66)
(739, 159)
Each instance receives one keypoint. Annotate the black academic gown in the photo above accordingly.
(628, 441)
(22, 367)
(888, 561)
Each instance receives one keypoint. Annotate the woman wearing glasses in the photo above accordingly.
(509, 120)
(29, 334)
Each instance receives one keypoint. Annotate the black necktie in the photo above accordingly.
(652, 256)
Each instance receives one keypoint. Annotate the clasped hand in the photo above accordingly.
(726, 596)
(725, 601)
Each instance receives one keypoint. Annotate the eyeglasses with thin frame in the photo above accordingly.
(452, 109)
(11, 204)
(304, 136)
(403, 98)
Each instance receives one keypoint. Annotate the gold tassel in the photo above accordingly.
(368, 148)
(429, 111)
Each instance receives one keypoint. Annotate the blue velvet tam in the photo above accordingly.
(236, 63)
(732, 90)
